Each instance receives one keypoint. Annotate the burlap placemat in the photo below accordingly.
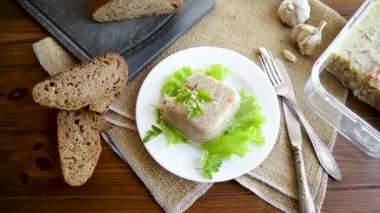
(242, 26)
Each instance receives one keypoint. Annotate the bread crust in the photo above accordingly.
(95, 5)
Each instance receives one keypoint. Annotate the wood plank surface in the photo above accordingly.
(30, 175)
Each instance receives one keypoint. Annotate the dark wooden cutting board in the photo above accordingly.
(139, 41)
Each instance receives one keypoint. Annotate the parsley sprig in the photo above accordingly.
(154, 132)
(193, 99)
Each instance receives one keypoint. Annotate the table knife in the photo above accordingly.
(324, 156)
(305, 200)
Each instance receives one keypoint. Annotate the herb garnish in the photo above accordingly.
(193, 98)
(154, 132)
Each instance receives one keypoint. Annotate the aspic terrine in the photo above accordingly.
(356, 61)
(217, 114)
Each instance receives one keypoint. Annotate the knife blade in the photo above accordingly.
(293, 126)
(324, 156)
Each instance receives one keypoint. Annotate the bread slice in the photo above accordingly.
(79, 144)
(95, 83)
(118, 10)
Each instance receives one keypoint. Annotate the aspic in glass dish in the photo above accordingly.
(353, 61)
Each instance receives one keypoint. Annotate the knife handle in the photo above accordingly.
(324, 155)
(305, 202)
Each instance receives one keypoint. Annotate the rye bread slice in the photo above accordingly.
(95, 83)
(79, 144)
(118, 10)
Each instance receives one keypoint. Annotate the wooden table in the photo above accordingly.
(30, 176)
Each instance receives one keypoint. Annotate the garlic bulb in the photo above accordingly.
(308, 37)
(293, 12)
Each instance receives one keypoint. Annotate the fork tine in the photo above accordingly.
(277, 73)
(271, 66)
(271, 63)
(266, 69)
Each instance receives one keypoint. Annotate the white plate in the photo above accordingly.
(184, 160)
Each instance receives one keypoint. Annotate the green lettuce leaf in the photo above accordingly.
(176, 81)
(237, 139)
(248, 116)
(217, 71)
(173, 136)
(211, 164)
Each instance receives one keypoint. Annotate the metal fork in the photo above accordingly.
(284, 89)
